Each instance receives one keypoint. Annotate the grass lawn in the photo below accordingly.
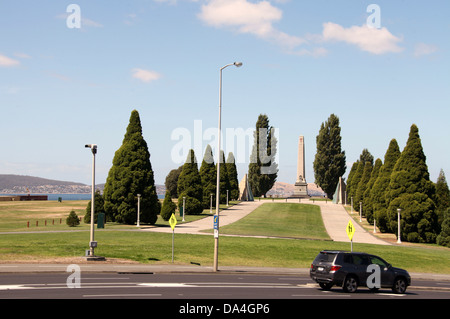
(281, 220)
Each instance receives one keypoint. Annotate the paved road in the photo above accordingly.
(189, 286)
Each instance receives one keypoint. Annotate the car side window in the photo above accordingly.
(378, 261)
(348, 259)
(360, 260)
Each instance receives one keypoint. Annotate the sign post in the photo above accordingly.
(350, 229)
(172, 223)
(216, 226)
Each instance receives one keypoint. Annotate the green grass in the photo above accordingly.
(154, 248)
(281, 220)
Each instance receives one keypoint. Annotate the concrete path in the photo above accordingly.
(227, 216)
(334, 216)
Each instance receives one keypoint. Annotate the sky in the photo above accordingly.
(71, 72)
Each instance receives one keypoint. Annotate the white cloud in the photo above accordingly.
(6, 62)
(145, 75)
(376, 41)
(424, 49)
(247, 17)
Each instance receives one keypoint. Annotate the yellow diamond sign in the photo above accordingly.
(350, 229)
(172, 221)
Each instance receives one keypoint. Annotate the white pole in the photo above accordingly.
(139, 210)
(219, 130)
(399, 241)
(360, 211)
(184, 207)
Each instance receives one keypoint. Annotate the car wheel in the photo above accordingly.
(350, 284)
(325, 286)
(399, 286)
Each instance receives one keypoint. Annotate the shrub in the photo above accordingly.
(72, 220)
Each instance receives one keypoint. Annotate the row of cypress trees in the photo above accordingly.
(402, 181)
(132, 174)
(198, 185)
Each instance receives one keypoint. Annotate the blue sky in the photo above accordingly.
(61, 87)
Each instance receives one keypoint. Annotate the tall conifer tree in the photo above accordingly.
(208, 175)
(329, 162)
(190, 186)
(263, 170)
(232, 176)
(131, 174)
(411, 190)
(378, 194)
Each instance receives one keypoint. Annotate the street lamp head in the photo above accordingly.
(93, 147)
(238, 64)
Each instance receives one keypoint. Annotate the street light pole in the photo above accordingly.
(139, 210)
(92, 243)
(219, 129)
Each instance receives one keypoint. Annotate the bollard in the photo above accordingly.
(37, 223)
(45, 223)
(28, 224)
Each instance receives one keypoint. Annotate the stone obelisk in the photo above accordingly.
(301, 187)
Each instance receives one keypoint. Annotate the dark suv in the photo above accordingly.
(350, 270)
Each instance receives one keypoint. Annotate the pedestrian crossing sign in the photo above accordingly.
(350, 229)
(172, 221)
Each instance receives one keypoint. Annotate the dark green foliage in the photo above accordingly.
(172, 181)
(208, 176)
(351, 175)
(168, 207)
(131, 174)
(329, 162)
(378, 193)
(442, 198)
(444, 237)
(224, 184)
(99, 208)
(366, 156)
(232, 177)
(263, 170)
(72, 220)
(353, 186)
(362, 185)
(190, 186)
(411, 190)
(367, 198)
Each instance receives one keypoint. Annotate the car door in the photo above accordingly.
(386, 273)
(361, 262)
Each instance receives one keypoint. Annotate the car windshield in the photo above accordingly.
(325, 257)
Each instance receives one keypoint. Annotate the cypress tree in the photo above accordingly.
(190, 186)
(367, 198)
(208, 176)
(350, 180)
(131, 174)
(263, 170)
(378, 194)
(99, 207)
(224, 184)
(362, 185)
(172, 181)
(442, 198)
(411, 190)
(168, 207)
(444, 237)
(355, 182)
(232, 176)
(329, 162)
